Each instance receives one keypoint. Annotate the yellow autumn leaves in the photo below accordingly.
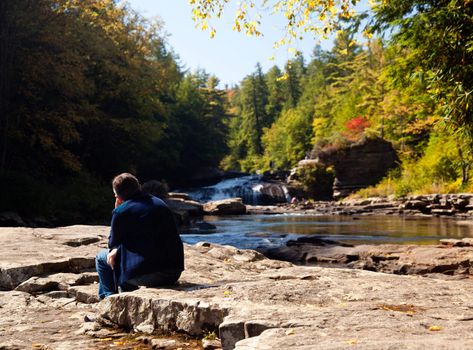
(318, 17)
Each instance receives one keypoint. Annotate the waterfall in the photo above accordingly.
(251, 189)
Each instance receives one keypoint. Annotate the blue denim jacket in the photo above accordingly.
(144, 231)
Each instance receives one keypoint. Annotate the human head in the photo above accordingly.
(125, 186)
(155, 188)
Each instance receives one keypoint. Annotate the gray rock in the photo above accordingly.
(29, 252)
(231, 206)
(301, 307)
(164, 343)
(192, 207)
(178, 195)
(87, 294)
(26, 320)
(255, 302)
(359, 165)
(212, 344)
(414, 204)
(446, 212)
(387, 258)
(55, 282)
(465, 242)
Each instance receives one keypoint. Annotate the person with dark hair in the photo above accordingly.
(145, 248)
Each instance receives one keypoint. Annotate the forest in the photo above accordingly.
(90, 88)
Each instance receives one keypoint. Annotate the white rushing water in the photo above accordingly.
(251, 189)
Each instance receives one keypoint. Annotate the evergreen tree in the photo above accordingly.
(276, 95)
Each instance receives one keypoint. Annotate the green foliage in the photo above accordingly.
(435, 169)
(288, 139)
(210, 335)
(81, 198)
(400, 92)
(89, 89)
(316, 180)
(435, 41)
(252, 115)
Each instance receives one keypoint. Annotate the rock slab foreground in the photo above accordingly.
(251, 301)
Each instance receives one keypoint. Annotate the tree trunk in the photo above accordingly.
(465, 166)
(5, 71)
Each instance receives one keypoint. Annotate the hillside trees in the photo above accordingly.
(89, 89)
(253, 113)
(436, 40)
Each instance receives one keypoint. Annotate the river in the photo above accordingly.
(252, 231)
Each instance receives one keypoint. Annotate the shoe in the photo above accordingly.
(89, 318)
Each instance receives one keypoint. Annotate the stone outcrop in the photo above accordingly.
(446, 205)
(30, 252)
(231, 206)
(271, 193)
(250, 301)
(360, 165)
(452, 257)
(261, 304)
(184, 210)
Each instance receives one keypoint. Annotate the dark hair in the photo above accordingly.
(126, 186)
(155, 188)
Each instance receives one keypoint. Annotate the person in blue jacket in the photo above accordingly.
(145, 248)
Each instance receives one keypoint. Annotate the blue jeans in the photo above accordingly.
(107, 284)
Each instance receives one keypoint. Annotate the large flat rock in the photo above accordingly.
(257, 303)
(28, 252)
(252, 302)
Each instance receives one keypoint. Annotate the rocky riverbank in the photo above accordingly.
(451, 259)
(248, 300)
(187, 211)
(451, 205)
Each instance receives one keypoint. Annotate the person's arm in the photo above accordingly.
(114, 239)
(111, 257)
(116, 235)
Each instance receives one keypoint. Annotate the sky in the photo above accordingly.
(229, 55)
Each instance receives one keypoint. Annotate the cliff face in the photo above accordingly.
(360, 165)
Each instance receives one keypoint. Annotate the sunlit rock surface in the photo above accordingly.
(252, 302)
(261, 304)
(230, 206)
(453, 257)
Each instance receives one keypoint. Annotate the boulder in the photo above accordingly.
(414, 204)
(193, 208)
(184, 209)
(231, 206)
(178, 195)
(271, 193)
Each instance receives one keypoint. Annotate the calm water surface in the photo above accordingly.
(251, 231)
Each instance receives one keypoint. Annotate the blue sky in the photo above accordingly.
(230, 55)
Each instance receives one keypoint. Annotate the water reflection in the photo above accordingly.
(251, 231)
